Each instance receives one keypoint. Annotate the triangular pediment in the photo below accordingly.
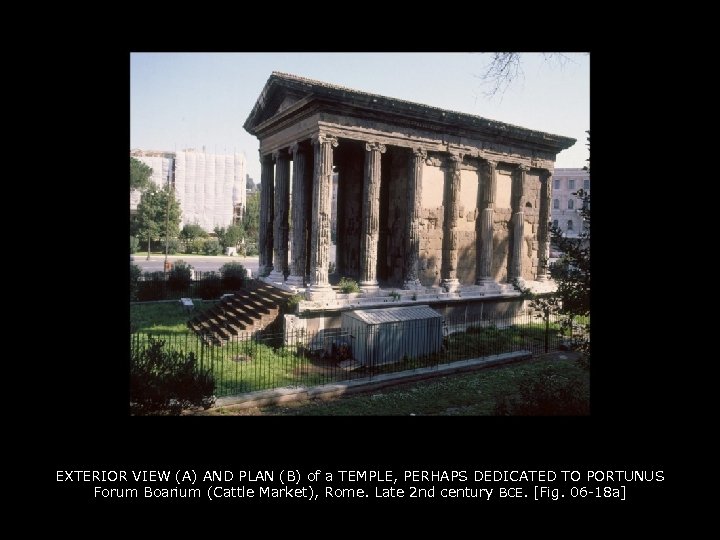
(274, 99)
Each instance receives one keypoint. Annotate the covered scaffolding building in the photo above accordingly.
(209, 187)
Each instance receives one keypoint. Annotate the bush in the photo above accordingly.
(233, 276)
(135, 273)
(134, 245)
(148, 291)
(211, 246)
(191, 231)
(348, 285)
(229, 237)
(180, 276)
(173, 246)
(546, 394)
(166, 382)
(251, 250)
(196, 245)
(209, 287)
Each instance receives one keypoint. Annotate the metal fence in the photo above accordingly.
(259, 361)
(154, 286)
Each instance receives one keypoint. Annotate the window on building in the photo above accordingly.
(586, 184)
(557, 183)
(555, 223)
(571, 204)
(556, 204)
(570, 225)
(571, 183)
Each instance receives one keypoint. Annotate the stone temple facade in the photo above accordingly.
(427, 199)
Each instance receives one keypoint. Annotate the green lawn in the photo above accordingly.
(474, 394)
(164, 317)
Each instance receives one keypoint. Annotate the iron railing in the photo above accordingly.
(259, 361)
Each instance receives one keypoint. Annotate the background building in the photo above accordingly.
(209, 187)
(565, 209)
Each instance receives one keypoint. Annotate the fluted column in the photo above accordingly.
(412, 222)
(281, 225)
(321, 207)
(544, 226)
(370, 217)
(267, 210)
(487, 214)
(299, 217)
(518, 226)
(450, 280)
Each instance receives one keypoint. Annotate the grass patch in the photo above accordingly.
(473, 394)
(164, 317)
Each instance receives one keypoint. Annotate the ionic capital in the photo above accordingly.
(322, 138)
(370, 146)
(420, 153)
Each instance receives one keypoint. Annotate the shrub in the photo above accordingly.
(147, 291)
(134, 245)
(546, 394)
(233, 275)
(229, 237)
(348, 285)
(191, 231)
(180, 276)
(196, 245)
(209, 287)
(251, 250)
(173, 246)
(166, 381)
(211, 246)
(135, 273)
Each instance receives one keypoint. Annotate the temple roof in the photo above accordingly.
(282, 90)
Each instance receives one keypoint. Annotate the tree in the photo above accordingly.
(191, 231)
(139, 175)
(231, 236)
(154, 207)
(505, 67)
(251, 218)
(572, 271)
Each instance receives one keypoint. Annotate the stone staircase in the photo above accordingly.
(247, 311)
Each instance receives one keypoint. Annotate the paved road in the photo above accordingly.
(204, 264)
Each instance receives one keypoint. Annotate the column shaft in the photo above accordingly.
(321, 208)
(450, 233)
(265, 236)
(487, 215)
(281, 225)
(518, 232)
(299, 217)
(370, 216)
(544, 226)
(412, 222)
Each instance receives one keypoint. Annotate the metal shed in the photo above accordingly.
(384, 336)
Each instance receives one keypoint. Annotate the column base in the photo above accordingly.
(450, 285)
(276, 276)
(295, 281)
(489, 285)
(412, 285)
(264, 271)
(369, 286)
(317, 293)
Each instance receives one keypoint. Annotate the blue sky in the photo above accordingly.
(191, 100)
